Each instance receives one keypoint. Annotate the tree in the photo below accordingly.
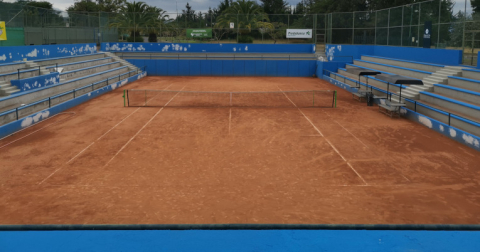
(275, 6)
(475, 6)
(84, 6)
(245, 14)
(136, 17)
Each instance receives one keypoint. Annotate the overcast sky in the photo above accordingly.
(202, 5)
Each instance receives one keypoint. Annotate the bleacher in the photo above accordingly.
(72, 75)
(450, 94)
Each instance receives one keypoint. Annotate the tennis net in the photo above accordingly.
(170, 98)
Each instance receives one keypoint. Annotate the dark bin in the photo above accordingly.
(369, 99)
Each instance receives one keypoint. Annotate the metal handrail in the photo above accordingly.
(420, 104)
(23, 68)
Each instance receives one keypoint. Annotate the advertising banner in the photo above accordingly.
(427, 33)
(3, 31)
(299, 33)
(199, 33)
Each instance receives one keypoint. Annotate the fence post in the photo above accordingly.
(49, 102)
(415, 106)
(449, 116)
(74, 93)
(18, 70)
(16, 112)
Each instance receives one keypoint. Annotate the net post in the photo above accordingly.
(128, 100)
(335, 97)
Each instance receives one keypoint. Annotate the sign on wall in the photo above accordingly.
(427, 33)
(3, 31)
(299, 33)
(199, 33)
(232, 25)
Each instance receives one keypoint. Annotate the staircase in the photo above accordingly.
(122, 61)
(439, 77)
(7, 89)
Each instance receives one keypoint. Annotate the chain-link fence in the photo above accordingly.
(398, 26)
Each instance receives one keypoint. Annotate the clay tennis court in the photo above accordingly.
(103, 163)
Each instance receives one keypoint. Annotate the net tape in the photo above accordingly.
(170, 98)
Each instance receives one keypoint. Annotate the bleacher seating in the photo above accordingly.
(91, 71)
(450, 94)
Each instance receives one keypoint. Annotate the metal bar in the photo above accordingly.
(449, 116)
(439, 15)
(401, 32)
(16, 111)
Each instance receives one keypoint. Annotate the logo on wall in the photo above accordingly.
(427, 34)
(299, 33)
(3, 31)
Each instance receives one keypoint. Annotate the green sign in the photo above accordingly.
(199, 33)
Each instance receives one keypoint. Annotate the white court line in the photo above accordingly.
(319, 132)
(230, 121)
(350, 133)
(73, 114)
(86, 148)
(145, 125)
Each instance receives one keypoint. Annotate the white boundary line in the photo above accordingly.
(145, 125)
(319, 132)
(229, 121)
(73, 114)
(350, 133)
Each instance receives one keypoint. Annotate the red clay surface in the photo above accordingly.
(103, 163)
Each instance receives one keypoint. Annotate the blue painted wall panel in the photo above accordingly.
(18, 53)
(250, 68)
(239, 68)
(172, 67)
(282, 68)
(261, 68)
(151, 67)
(435, 56)
(227, 67)
(199, 47)
(162, 68)
(293, 66)
(183, 67)
(37, 81)
(271, 68)
(216, 67)
(206, 67)
(241, 240)
(306, 68)
(195, 69)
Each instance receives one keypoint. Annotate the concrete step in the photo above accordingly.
(9, 92)
(9, 88)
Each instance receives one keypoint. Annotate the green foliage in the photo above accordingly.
(136, 38)
(244, 13)
(152, 37)
(245, 39)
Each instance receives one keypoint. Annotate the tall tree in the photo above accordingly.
(245, 14)
(475, 6)
(275, 6)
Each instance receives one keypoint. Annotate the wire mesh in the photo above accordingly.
(287, 99)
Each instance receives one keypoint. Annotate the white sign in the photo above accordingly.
(232, 25)
(299, 33)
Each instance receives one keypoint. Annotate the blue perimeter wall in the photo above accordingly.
(19, 53)
(272, 68)
(240, 240)
(434, 56)
(15, 126)
(199, 48)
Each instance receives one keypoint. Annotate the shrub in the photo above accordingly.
(245, 39)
